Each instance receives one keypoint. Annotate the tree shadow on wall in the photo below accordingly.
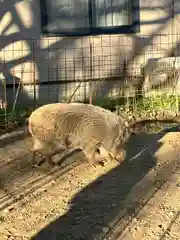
(48, 59)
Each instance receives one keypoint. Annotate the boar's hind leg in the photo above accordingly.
(44, 151)
(38, 157)
(64, 149)
(60, 148)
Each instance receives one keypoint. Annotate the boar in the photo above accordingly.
(62, 126)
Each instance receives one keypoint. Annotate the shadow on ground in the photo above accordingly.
(98, 207)
(12, 137)
(18, 178)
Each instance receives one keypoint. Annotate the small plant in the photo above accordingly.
(137, 105)
(9, 121)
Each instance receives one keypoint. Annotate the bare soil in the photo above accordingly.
(137, 199)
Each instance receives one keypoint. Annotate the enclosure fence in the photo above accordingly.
(98, 69)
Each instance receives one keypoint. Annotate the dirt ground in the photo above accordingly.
(137, 199)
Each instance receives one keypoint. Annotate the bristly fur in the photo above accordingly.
(85, 126)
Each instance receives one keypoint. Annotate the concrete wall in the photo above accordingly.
(28, 57)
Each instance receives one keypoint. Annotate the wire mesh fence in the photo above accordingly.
(112, 70)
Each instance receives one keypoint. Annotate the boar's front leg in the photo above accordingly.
(92, 153)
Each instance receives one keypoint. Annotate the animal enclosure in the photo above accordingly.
(96, 69)
(103, 69)
(134, 69)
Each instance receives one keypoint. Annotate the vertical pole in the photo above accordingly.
(91, 71)
(34, 78)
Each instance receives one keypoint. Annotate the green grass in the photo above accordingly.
(137, 105)
(170, 103)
